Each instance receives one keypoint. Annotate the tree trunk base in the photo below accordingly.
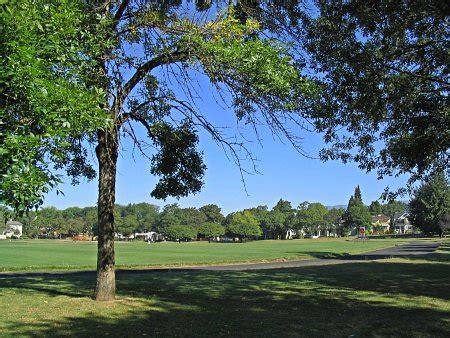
(105, 288)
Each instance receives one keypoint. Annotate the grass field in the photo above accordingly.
(394, 297)
(26, 255)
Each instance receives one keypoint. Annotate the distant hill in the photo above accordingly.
(343, 206)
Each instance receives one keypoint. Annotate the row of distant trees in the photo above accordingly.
(206, 222)
(428, 211)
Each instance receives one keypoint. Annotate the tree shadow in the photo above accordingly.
(362, 299)
(411, 250)
(441, 255)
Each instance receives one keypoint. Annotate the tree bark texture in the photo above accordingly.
(107, 151)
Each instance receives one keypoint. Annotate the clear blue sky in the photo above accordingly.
(284, 173)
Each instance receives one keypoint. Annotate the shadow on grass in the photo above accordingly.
(362, 299)
(441, 255)
(413, 250)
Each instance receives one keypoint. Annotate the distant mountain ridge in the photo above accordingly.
(342, 206)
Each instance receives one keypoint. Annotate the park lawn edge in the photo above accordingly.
(143, 267)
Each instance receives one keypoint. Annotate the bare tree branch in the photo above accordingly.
(122, 7)
(160, 60)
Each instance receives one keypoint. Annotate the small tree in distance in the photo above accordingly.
(244, 225)
(212, 213)
(211, 230)
(312, 218)
(181, 232)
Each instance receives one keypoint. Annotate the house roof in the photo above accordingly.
(400, 214)
(13, 223)
(8, 225)
(380, 218)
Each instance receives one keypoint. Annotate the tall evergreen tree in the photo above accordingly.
(357, 196)
(357, 214)
(375, 208)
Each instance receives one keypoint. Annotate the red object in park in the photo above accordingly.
(362, 232)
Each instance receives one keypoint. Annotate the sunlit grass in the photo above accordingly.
(68, 255)
(382, 298)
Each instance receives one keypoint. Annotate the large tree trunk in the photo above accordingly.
(107, 150)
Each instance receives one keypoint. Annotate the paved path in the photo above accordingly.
(415, 248)
(411, 249)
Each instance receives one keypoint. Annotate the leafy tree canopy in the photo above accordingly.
(180, 232)
(273, 223)
(312, 217)
(49, 100)
(384, 77)
(244, 225)
(375, 208)
(334, 217)
(211, 230)
(430, 207)
(283, 206)
(212, 213)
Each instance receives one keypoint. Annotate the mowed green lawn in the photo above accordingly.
(394, 298)
(22, 255)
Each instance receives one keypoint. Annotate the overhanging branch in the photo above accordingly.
(160, 60)
(122, 7)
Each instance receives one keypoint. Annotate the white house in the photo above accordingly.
(12, 229)
(401, 223)
(150, 235)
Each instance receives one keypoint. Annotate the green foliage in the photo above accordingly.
(211, 230)
(357, 214)
(173, 215)
(284, 207)
(146, 215)
(180, 232)
(168, 217)
(178, 162)
(334, 217)
(191, 216)
(375, 208)
(276, 222)
(74, 220)
(127, 224)
(430, 207)
(384, 84)
(357, 196)
(259, 73)
(244, 225)
(48, 101)
(212, 213)
(273, 224)
(312, 217)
